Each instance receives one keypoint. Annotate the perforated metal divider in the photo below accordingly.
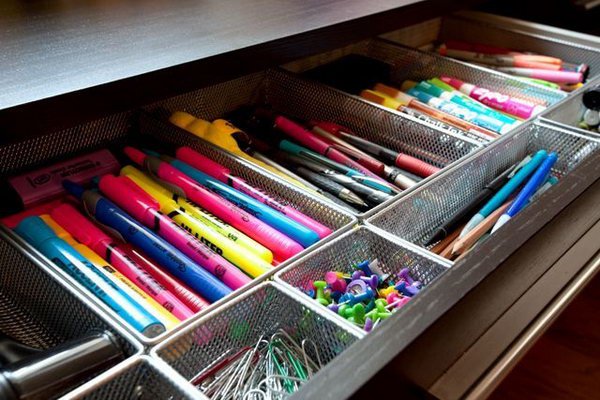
(569, 113)
(39, 310)
(466, 29)
(256, 314)
(418, 65)
(416, 216)
(360, 244)
(140, 378)
(307, 100)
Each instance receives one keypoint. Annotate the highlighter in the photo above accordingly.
(217, 171)
(230, 250)
(194, 219)
(38, 234)
(108, 214)
(95, 239)
(285, 225)
(145, 209)
(166, 318)
(282, 246)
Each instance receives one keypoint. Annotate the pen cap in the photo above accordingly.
(154, 189)
(35, 231)
(421, 96)
(299, 133)
(428, 88)
(407, 85)
(380, 98)
(204, 164)
(455, 83)
(124, 192)
(78, 226)
(591, 98)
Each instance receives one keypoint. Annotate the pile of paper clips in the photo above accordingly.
(273, 369)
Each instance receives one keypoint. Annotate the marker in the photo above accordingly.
(519, 108)
(43, 184)
(383, 94)
(454, 221)
(285, 225)
(183, 293)
(240, 256)
(178, 264)
(530, 188)
(401, 160)
(552, 76)
(217, 171)
(505, 191)
(308, 139)
(145, 209)
(38, 234)
(197, 221)
(132, 290)
(92, 237)
(281, 246)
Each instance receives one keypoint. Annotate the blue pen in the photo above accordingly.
(530, 188)
(178, 264)
(501, 195)
(37, 233)
(269, 216)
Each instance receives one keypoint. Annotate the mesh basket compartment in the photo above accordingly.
(242, 322)
(137, 378)
(308, 100)
(38, 308)
(361, 243)
(415, 217)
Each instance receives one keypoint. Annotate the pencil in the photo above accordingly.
(442, 244)
(470, 238)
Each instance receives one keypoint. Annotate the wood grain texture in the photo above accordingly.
(53, 52)
(565, 362)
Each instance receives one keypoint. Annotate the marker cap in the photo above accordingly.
(35, 231)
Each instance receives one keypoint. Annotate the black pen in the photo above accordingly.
(332, 187)
(484, 195)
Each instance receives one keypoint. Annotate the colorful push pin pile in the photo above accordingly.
(367, 296)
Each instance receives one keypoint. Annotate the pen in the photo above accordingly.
(285, 225)
(145, 209)
(552, 76)
(247, 261)
(506, 190)
(404, 161)
(282, 246)
(534, 183)
(178, 264)
(120, 280)
(451, 223)
(332, 187)
(305, 137)
(293, 148)
(212, 231)
(217, 171)
(91, 236)
(371, 196)
(37, 233)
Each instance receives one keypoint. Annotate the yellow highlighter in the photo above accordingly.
(151, 305)
(244, 258)
(220, 133)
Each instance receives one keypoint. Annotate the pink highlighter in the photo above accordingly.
(85, 232)
(217, 171)
(282, 246)
(144, 208)
(518, 108)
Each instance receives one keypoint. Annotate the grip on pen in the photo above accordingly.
(415, 165)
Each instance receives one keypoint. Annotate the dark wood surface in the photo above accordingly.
(66, 62)
(565, 362)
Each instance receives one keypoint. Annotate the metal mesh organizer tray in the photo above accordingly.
(242, 322)
(569, 113)
(116, 131)
(304, 99)
(493, 32)
(140, 377)
(416, 216)
(39, 309)
(359, 244)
